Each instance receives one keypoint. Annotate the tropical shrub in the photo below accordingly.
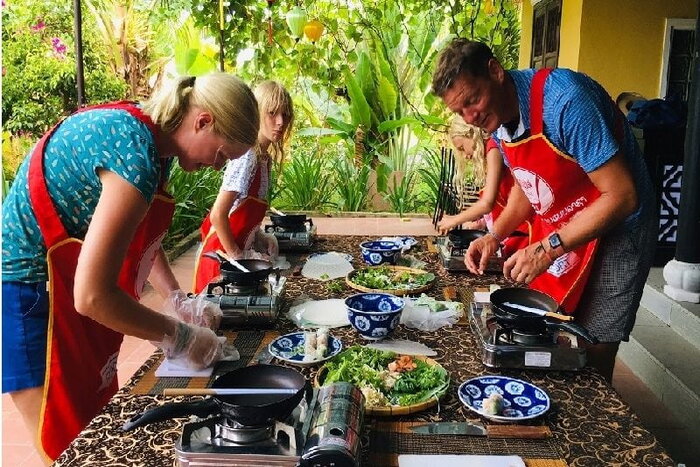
(306, 179)
(39, 84)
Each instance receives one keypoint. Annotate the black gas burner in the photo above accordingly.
(512, 336)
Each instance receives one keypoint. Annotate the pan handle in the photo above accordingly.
(202, 409)
(573, 328)
(212, 255)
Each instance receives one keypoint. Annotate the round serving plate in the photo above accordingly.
(392, 410)
(290, 348)
(521, 400)
(352, 274)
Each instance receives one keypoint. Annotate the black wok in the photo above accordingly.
(526, 321)
(290, 220)
(462, 238)
(258, 270)
(249, 410)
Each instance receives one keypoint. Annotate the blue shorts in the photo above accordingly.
(25, 320)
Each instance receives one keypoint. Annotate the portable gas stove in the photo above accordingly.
(324, 430)
(452, 256)
(503, 347)
(250, 305)
(298, 237)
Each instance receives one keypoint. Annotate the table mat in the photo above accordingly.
(249, 343)
(392, 460)
(388, 439)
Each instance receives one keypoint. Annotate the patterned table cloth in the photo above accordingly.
(590, 423)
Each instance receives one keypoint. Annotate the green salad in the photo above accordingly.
(386, 378)
(385, 278)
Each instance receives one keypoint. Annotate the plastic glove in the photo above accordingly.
(267, 243)
(193, 346)
(193, 309)
(251, 254)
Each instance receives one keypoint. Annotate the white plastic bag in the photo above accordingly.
(427, 314)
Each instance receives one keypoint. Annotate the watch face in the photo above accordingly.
(554, 241)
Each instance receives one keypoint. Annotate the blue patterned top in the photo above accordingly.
(101, 138)
(578, 119)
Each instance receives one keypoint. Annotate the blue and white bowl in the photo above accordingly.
(374, 315)
(381, 252)
(521, 400)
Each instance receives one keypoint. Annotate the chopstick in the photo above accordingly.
(228, 392)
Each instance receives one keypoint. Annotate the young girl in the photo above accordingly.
(490, 172)
(233, 225)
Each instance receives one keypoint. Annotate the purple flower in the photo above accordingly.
(39, 25)
(3, 3)
(59, 47)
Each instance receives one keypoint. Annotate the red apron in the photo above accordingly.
(513, 243)
(81, 354)
(243, 221)
(558, 189)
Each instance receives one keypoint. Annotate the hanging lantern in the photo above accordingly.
(488, 7)
(296, 19)
(313, 30)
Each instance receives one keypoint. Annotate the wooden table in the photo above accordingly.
(591, 425)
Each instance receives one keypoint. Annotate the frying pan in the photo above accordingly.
(259, 270)
(526, 321)
(248, 410)
(462, 238)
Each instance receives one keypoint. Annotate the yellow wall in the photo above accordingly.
(617, 42)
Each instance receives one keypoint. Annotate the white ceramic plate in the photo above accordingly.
(290, 348)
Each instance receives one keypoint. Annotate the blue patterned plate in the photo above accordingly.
(521, 400)
(290, 348)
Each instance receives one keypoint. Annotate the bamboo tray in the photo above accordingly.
(392, 410)
(362, 288)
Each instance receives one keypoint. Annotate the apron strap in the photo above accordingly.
(50, 225)
(537, 100)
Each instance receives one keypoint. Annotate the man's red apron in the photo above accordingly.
(243, 221)
(523, 233)
(558, 189)
(81, 354)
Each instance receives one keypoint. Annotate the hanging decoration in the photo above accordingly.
(296, 19)
(313, 30)
(269, 21)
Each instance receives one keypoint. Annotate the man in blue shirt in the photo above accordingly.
(579, 170)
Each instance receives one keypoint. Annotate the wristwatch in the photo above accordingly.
(556, 247)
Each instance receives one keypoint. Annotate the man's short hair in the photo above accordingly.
(460, 56)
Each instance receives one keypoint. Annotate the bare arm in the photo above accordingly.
(484, 205)
(219, 219)
(119, 211)
(517, 210)
(618, 199)
(162, 278)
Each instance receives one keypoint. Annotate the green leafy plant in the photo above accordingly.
(194, 194)
(351, 184)
(39, 84)
(306, 182)
(400, 195)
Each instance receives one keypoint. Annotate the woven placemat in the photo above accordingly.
(389, 439)
(248, 343)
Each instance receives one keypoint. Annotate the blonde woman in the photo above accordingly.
(87, 212)
(233, 225)
(490, 173)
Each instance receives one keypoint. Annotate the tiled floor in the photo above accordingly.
(18, 451)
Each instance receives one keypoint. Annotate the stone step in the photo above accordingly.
(682, 317)
(668, 365)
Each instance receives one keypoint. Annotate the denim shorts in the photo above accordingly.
(25, 319)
